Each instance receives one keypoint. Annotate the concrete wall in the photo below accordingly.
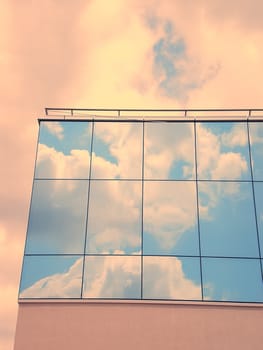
(139, 326)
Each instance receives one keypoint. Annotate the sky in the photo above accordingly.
(118, 54)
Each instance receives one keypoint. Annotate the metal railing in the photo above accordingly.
(120, 113)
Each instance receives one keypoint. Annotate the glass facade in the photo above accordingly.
(153, 210)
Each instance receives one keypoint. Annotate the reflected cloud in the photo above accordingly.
(258, 188)
(236, 136)
(54, 164)
(229, 166)
(55, 128)
(222, 151)
(54, 285)
(63, 150)
(57, 217)
(120, 146)
(169, 151)
(114, 220)
(170, 218)
(227, 220)
(256, 137)
(117, 277)
(166, 278)
(112, 277)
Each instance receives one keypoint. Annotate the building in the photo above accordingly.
(145, 231)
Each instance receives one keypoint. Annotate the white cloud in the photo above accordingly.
(114, 220)
(216, 163)
(124, 142)
(119, 277)
(169, 210)
(55, 128)
(236, 137)
(256, 133)
(102, 168)
(164, 278)
(110, 276)
(166, 143)
(60, 285)
(212, 195)
(168, 213)
(58, 213)
(54, 164)
(229, 166)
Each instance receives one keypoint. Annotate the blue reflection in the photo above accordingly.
(63, 150)
(112, 277)
(169, 151)
(117, 150)
(101, 149)
(171, 278)
(187, 244)
(227, 219)
(114, 218)
(222, 151)
(256, 140)
(219, 128)
(170, 218)
(258, 187)
(237, 280)
(181, 170)
(66, 136)
(51, 277)
(57, 217)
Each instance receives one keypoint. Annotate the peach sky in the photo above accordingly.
(116, 54)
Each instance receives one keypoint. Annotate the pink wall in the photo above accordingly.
(139, 326)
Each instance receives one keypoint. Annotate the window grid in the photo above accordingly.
(201, 257)
(254, 200)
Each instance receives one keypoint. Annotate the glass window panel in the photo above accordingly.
(114, 217)
(57, 217)
(227, 219)
(256, 141)
(112, 277)
(237, 280)
(63, 150)
(51, 277)
(169, 151)
(222, 151)
(170, 220)
(171, 278)
(117, 150)
(258, 187)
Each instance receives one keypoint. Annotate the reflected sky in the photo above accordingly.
(258, 187)
(171, 278)
(112, 277)
(63, 150)
(169, 151)
(232, 279)
(114, 219)
(222, 151)
(117, 150)
(256, 140)
(170, 220)
(57, 217)
(128, 209)
(227, 219)
(51, 277)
